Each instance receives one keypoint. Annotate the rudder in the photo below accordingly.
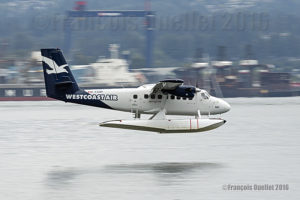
(59, 79)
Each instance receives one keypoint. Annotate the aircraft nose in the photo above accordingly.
(225, 106)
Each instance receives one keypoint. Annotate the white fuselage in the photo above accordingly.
(139, 99)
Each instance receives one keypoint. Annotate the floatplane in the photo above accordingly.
(167, 97)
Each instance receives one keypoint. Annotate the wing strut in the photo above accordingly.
(199, 115)
(161, 114)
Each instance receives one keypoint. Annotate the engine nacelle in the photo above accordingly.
(183, 91)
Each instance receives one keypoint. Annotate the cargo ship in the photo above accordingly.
(27, 83)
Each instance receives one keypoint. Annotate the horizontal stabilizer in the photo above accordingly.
(64, 82)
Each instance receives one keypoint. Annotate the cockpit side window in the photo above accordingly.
(205, 95)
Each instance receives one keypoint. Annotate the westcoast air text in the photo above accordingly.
(102, 97)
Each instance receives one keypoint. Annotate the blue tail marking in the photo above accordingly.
(60, 82)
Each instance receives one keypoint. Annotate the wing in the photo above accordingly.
(168, 84)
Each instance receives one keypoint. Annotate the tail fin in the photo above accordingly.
(59, 79)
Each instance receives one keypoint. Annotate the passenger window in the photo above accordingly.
(172, 97)
(135, 96)
(146, 96)
(152, 96)
(159, 96)
(178, 97)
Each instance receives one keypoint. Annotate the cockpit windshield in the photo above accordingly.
(204, 94)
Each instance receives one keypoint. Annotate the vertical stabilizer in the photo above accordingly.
(59, 79)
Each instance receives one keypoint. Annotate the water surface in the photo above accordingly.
(54, 150)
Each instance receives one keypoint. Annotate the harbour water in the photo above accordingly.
(53, 150)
